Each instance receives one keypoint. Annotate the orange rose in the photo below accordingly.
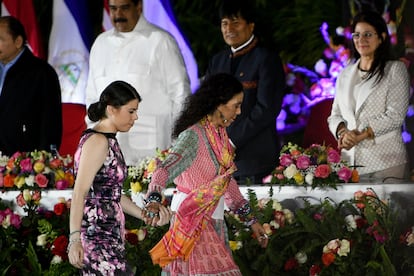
(9, 181)
(328, 258)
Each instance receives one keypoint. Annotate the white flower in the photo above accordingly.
(56, 259)
(276, 205)
(274, 224)
(30, 180)
(301, 257)
(290, 171)
(41, 240)
(6, 222)
(345, 248)
(309, 178)
(351, 224)
(27, 195)
(288, 215)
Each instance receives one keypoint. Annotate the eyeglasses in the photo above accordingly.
(366, 35)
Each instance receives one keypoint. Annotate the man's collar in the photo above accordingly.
(243, 45)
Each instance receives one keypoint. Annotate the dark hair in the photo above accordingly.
(133, 1)
(213, 91)
(237, 8)
(383, 52)
(15, 27)
(116, 94)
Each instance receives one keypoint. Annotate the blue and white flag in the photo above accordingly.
(69, 45)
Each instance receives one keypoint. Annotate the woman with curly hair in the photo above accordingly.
(201, 165)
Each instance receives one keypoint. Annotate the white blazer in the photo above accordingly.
(383, 107)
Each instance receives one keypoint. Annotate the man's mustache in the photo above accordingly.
(121, 19)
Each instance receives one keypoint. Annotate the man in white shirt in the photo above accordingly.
(148, 58)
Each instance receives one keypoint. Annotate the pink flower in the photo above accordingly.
(26, 165)
(322, 171)
(345, 174)
(285, 160)
(37, 195)
(41, 180)
(15, 220)
(280, 176)
(63, 184)
(20, 200)
(303, 162)
(333, 156)
(279, 217)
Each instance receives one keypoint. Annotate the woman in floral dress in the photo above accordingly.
(201, 165)
(96, 240)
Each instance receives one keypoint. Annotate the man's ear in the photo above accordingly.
(19, 42)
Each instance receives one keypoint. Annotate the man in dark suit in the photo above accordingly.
(261, 73)
(30, 96)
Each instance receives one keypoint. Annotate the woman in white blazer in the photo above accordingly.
(371, 102)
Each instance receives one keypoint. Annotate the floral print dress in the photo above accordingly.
(103, 223)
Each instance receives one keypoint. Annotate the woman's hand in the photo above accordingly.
(260, 234)
(164, 215)
(349, 139)
(75, 253)
(157, 214)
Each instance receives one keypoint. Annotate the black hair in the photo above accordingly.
(15, 27)
(116, 94)
(213, 91)
(383, 52)
(237, 8)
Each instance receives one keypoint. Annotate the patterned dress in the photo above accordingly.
(102, 230)
(191, 164)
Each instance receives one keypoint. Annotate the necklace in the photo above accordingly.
(363, 73)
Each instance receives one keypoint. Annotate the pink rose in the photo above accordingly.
(63, 184)
(322, 171)
(303, 162)
(37, 195)
(20, 200)
(15, 220)
(280, 176)
(333, 156)
(26, 165)
(41, 180)
(285, 160)
(344, 174)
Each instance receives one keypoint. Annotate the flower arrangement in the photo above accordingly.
(35, 170)
(36, 243)
(359, 236)
(139, 176)
(316, 166)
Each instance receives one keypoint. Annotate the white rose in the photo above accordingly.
(6, 222)
(309, 178)
(276, 205)
(288, 215)
(345, 248)
(30, 180)
(274, 224)
(301, 257)
(56, 259)
(290, 171)
(41, 240)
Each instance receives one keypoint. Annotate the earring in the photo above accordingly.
(225, 121)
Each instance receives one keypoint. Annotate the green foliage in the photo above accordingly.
(366, 227)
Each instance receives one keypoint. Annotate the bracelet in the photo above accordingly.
(71, 242)
(74, 232)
